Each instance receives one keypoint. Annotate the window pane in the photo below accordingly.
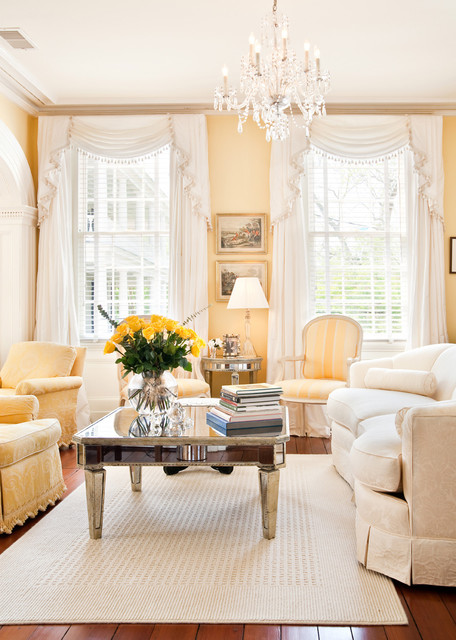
(123, 240)
(357, 242)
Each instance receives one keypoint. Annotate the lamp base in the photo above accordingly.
(248, 349)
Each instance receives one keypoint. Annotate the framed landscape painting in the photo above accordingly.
(241, 233)
(227, 272)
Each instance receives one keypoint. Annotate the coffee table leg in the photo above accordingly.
(269, 495)
(135, 477)
(95, 489)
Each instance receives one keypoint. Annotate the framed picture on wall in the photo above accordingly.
(452, 255)
(241, 233)
(227, 272)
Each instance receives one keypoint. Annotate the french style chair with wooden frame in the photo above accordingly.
(331, 343)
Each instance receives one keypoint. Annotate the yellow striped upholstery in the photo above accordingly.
(329, 342)
(307, 389)
(191, 388)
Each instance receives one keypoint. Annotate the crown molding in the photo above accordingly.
(18, 87)
(434, 108)
(25, 92)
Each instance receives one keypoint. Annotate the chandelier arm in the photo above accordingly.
(274, 81)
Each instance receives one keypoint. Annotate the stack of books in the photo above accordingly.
(247, 409)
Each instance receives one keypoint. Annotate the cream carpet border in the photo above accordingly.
(189, 548)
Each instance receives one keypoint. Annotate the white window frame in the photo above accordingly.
(78, 239)
(373, 342)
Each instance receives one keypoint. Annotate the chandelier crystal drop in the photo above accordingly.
(275, 82)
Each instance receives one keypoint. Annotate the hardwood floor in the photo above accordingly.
(431, 610)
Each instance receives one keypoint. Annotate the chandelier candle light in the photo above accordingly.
(274, 80)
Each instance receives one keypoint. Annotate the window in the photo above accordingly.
(122, 240)
(357, 230)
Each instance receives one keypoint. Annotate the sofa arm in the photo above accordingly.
(15, 409)
(40, 386)
(358, 370)
(429, 468)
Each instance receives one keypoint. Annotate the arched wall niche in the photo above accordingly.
(18, 244)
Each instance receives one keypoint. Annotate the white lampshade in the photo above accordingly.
(247, 294)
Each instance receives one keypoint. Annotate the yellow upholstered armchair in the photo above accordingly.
(30, 468)
(51, 372)
(330, 344)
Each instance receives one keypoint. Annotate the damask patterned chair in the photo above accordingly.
(51, 372)
(30, 468)
(330, 344)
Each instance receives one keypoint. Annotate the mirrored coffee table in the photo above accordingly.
(110, 442)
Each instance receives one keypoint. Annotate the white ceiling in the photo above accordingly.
(121, 52)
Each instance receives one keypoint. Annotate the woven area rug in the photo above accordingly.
(189, 548)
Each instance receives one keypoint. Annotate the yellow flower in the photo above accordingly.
(110, 347)
(117, 337)
(148, 332)
(134, 323)
(183, 333)
(155, 318)
(195, 351)
(171, 325)
(122, 329)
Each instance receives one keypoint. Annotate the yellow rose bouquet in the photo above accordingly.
(156, 345)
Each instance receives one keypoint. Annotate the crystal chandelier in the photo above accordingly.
(275, 82)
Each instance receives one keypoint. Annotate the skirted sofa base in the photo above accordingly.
(396, 446)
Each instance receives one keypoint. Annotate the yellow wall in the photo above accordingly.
(449, 163)
(25, 129)
(239, 180)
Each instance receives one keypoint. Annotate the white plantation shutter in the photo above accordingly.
(357, 241)
(122, 239)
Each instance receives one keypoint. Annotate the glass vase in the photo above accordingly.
(151, 395)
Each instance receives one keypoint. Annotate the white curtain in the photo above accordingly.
(427, 311)
(189, 215)
(123, 138)
(362, 137)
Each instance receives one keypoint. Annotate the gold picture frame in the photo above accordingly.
(241, 233)
(227, 272)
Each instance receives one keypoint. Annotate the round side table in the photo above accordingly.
(235, 365)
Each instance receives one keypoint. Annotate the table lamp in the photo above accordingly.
(247, 294)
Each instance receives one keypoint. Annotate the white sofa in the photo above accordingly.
(397, 448)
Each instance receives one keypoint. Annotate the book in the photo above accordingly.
(239, 407)
(216, 421)
(253, 431)
(249, 399)
(252, 389)
(233, 416)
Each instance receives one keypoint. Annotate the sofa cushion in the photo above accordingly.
(350, 406)
(304, 389)
(376, 456)
(14, 409)
(421, 382)
(18, 441)
(377, 422)
(36, 360)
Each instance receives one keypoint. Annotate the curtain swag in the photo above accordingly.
(126, 139)
(363, 140)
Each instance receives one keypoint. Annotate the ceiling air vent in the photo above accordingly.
(16, 38)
